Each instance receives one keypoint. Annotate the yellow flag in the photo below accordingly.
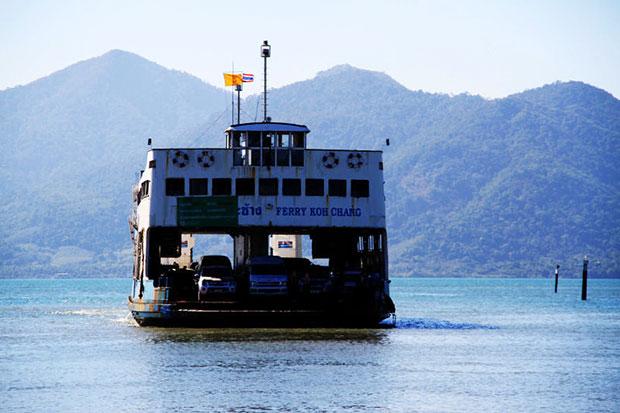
(233, 79)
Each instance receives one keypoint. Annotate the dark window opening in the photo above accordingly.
(254, 139)
(315, 187)
(144, 189)
(198, 186)
(299, 140)
(245, 186)
(337, 187)
(268, 186)
(359, 188)
(268, 139)
(235, 140)
(283, 157)
(268, 157)
(221, 186)
(297, 157)
(291, 187)
(175, 186)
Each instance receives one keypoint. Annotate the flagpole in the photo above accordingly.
(232, 98)
(239, 88)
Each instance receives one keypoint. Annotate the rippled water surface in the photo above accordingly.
(460, 345)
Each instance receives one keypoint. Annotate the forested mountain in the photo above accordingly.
(476, 186)
(504, 187)
(72, 144)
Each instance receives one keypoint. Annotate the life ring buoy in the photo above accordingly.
(180, 159)
(355, 160)
(205, 159)
(330, 160)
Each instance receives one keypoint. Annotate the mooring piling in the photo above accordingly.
(584, 279)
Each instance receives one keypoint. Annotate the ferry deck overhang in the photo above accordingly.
(359, 248)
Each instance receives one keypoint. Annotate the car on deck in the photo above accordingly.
(215, 277)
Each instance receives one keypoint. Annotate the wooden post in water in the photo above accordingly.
(557, 275)
(584, 280)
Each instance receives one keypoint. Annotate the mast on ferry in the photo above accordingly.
(265, 52)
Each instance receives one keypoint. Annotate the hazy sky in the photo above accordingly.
(492, 48)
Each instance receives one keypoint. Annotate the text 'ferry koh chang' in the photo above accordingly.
(267, 191)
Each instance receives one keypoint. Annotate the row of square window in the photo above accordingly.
(268, 187)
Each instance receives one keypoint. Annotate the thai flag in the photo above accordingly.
(285, 244)
(248, 77)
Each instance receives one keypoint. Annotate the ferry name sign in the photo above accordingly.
(233, 211)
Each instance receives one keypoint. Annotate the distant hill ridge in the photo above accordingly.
(502, 187)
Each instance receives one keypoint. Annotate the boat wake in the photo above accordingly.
(111, 314)
(90, 312)
(127, 320)
(429, 324)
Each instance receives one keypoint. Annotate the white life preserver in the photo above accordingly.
(205, 159)
(330, 160)
(355, 160)
(180, 159)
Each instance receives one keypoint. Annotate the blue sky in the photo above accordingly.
(491, 48)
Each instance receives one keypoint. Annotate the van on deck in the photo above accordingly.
(267, 276)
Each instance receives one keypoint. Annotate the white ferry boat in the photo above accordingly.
(267, 191)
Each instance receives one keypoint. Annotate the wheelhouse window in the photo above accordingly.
(143, 192)
(268, 186)
(144, 189)
(198, 186)
(221, 186)
(234, 139)
(253, 141)
(337, 187)
(291, 187)
(283, 142)
(267, 148)
(359, 188)
(175, 186)
(315, 187)
(299, 140)
(245, 186)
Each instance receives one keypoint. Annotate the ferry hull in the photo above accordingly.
(200, 315)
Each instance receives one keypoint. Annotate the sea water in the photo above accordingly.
(490, 345)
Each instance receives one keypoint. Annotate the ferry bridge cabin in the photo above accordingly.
(263, 184)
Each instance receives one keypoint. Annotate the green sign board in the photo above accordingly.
(208, 211)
